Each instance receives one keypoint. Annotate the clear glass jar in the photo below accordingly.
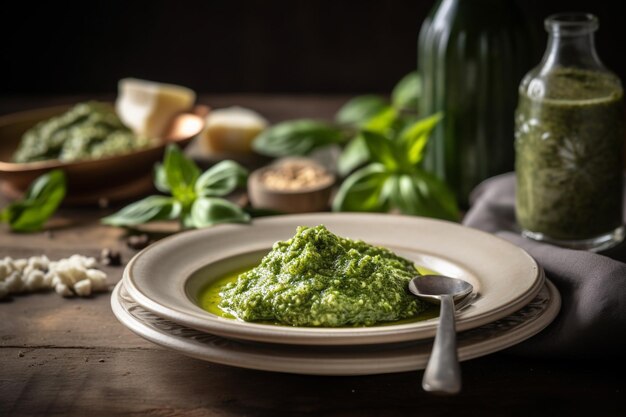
(569, 140)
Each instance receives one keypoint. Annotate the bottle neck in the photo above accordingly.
(571, 42)
(577, 51)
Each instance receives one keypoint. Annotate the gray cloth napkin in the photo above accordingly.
(592, 320)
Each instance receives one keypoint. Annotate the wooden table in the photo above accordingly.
(71, 357)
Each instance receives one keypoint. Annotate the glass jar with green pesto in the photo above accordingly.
(569, 142)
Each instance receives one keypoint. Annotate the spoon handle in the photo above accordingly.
(443, 373)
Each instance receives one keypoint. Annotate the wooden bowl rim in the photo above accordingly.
(30, 167)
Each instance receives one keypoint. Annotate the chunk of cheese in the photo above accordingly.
(148, 107)
(232, 130)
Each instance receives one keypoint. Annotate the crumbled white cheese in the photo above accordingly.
(34, 280)
(20, 264)
(63, 290)
(83, 287)
(98, 279)
(14, 282)
(76, 275)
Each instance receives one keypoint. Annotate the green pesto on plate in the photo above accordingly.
(319, 279)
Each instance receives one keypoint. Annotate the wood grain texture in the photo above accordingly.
(70, 357)
(146, 381)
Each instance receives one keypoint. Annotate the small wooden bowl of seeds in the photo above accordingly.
(291, 185)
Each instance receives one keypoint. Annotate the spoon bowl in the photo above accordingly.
(432, 287)
(443, 373)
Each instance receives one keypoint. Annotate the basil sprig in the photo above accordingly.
(303, 136)
(383, 145)
(41, 200)
(194, 196)
(155, 207)
(359, 110)
(297, 137)
(394, 178)
(407, 92)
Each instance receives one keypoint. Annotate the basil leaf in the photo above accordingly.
(407, 92)
(380, 149)
(40, 202)
(383, 122)
(151, 208)
(298, 137)
(208, 211)
(359, 110)
(181, 174)
(186, 220)
(390, 189)
(221, 179)
(415, 137)
(46, 185)
(440, 198)
(23, 216)
(424, 195)
(353, 156)
(406, 196)
(361, 190)
(160, 178)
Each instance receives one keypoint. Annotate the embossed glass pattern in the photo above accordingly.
(569, 141)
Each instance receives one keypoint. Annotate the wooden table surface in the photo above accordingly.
(71, 357)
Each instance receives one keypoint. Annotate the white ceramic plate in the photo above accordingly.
(334, 360)
(166, 277)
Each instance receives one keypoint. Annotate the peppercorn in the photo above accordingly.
(138, 242)
(110, 257)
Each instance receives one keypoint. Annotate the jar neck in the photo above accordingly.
(572, 51)
(571, 43)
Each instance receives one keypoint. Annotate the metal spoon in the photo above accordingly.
(443, 373)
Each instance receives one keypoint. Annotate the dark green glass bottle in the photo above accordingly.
(472, 55)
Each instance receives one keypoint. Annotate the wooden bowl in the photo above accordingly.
(307, 200)
(117, 177)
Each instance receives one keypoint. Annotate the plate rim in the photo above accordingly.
(333, 366)
(237, 329)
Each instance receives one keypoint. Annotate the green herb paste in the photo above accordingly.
(319, 279)
(87, 131)
(569, 156)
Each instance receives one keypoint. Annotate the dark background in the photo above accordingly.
(297, 46)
